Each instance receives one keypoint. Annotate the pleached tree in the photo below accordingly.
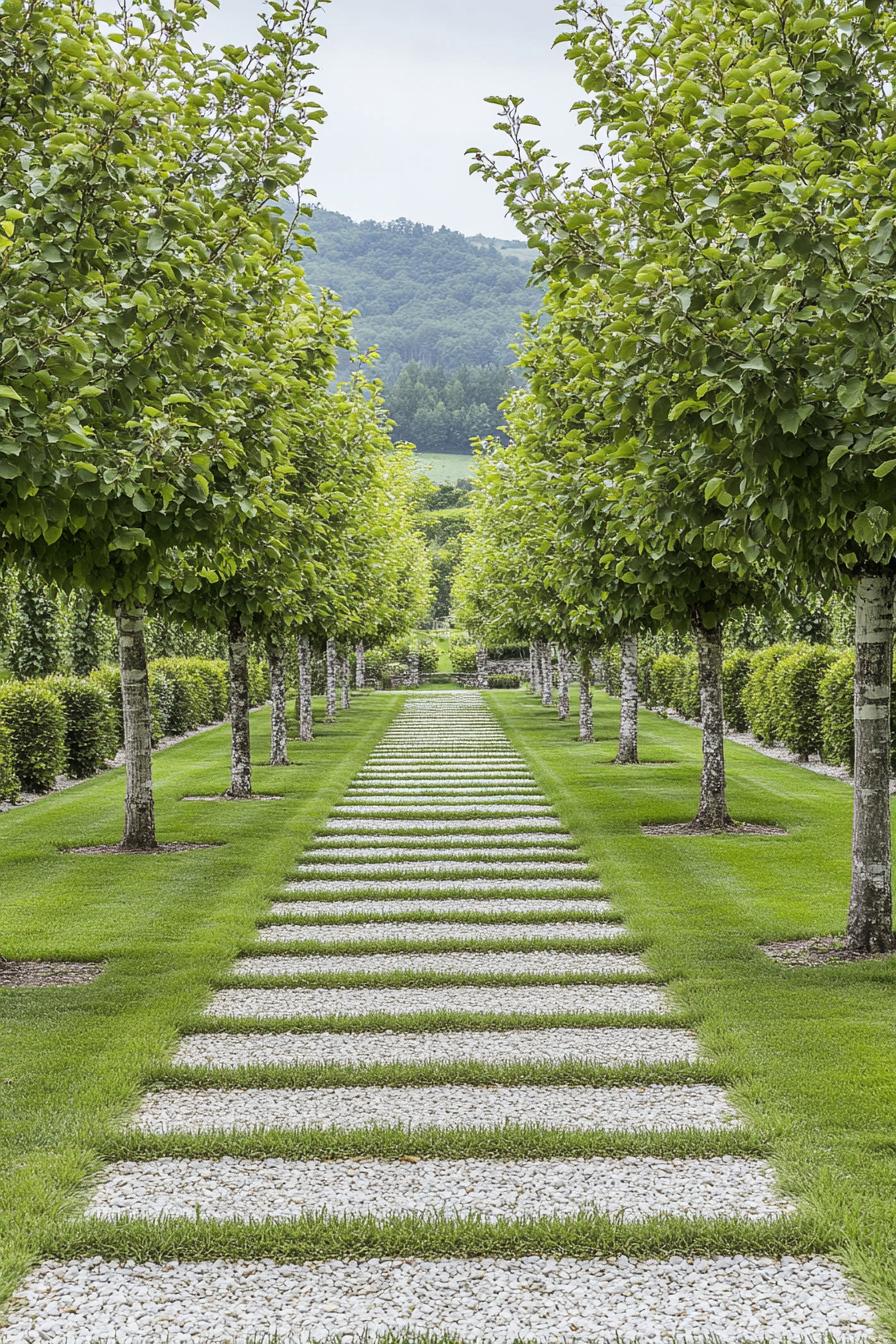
(122, 369)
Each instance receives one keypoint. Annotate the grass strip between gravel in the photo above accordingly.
(320, 1237)
(812, 1051)
(347, 1024)
(73, 1060)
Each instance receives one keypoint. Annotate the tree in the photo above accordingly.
(146, 237)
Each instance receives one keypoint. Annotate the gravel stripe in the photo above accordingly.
(387, 810)
(253, 1190)
(521, 842)
(572, 1109)
(446, 963)
(551, 1045)
(506, 905)
(427, 853)
(733, 1299)
(379, 868)
(430, 931)
(396, 826)
(463, 886)
(537, 1000)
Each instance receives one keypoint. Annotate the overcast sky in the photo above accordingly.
(403, 84)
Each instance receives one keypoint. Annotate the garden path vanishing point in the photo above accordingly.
(490, 976)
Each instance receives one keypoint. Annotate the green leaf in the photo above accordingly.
(851, 394)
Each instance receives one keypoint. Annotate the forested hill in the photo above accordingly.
(442, 309)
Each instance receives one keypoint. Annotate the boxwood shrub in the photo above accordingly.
(9, 780)
(502, 682)
(795, 682)
(836, 708)
(91, 729)
(663, 676)
(35, 721)
(761, 705)
(736, 669)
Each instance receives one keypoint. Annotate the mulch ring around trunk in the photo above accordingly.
(229, 798)
(691, 828)
(176, 847)
(47, 974)
(818, 952)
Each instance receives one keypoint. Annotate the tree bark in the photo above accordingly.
(306, 712)
(563, 676)
(331, 680)
(345, 673)
(586, 704)
(713, 813)
(139, 803)
(534, 679)
(481, 668)
(547, 674)
(628, 710)
(240, 746)
(870, 922)
(279, 735)
(360, 667)
(414, 670)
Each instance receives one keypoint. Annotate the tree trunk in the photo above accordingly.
(586, 706)
(713, 814)
(563, 675)
(870, 923)
(360, 667)
(534, 679)
(306, 713)
(331, 680)
(414, 670)
(139, 804)
(547, 675)
(481, 668)
(276, 664)
(345, 670)
(240, 749)
(628, 711)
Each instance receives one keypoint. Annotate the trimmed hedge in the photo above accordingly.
(74, 725)
(9, 780)
(760, 701)
(91, 730)
(836, 703)
(463, 659)
(35, 721)
(736, 669)
(500, 682)
(796, 682)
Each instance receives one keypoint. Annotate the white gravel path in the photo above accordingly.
(446, 963)
(535, 1045)
(254, 1190)
(502, 905)
(541, 853)
(499, 1000)
(424, 886)
(572, 1109)
(484, 809)
(408, 868)
(521, 842)
(444, 808)
(733, 1299)
(435, 930)
(527, 825)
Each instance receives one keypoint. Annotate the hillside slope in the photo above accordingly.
(425, 295)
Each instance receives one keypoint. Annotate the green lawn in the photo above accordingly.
(74, 1061)
(812, 1053)
(446, 468)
